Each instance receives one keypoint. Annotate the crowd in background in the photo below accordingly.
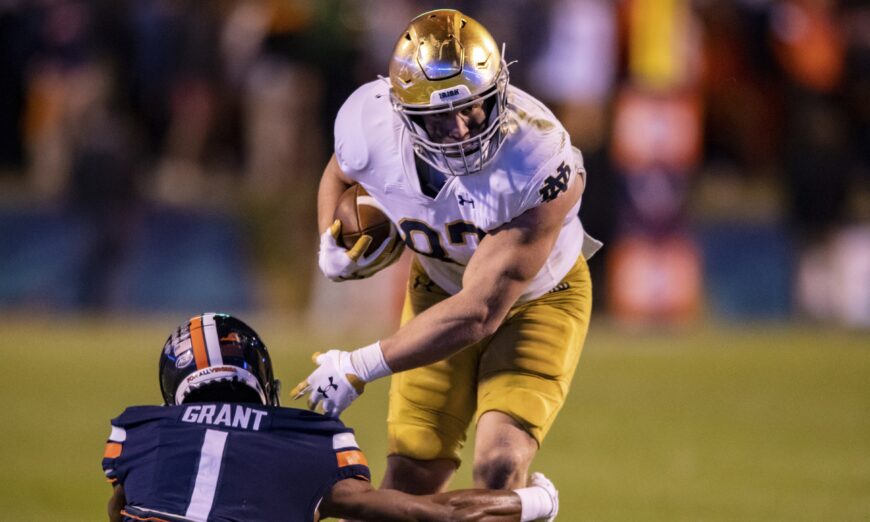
(690, 114)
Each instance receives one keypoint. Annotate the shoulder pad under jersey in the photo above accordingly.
(139, 414)
(357, 126)
(294, 418)
(537, 152)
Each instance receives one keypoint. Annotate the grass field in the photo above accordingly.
(771, 423)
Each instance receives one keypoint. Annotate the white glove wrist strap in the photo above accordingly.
(368, 362)
(536, 503)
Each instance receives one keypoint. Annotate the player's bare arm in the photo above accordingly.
(333, 183)
(482, 505)
(116, 503)
(356, 498)
(506, 260)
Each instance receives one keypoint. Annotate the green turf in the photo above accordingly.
(709, 424)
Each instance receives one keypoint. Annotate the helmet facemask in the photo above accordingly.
(463, 157)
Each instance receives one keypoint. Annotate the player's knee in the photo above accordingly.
(500, 470)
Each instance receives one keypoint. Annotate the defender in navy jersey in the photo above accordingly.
(222, 449)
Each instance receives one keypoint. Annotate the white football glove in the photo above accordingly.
(540, 499)
(541, 481)
(334, 384)
(339, 264)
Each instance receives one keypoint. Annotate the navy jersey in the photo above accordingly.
(228, 462)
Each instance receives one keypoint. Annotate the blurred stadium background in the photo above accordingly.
(159, 158)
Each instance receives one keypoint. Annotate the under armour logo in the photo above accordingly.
(463, 201)
(554, 185)
(424, 282)
(331, 384)
(560, 287)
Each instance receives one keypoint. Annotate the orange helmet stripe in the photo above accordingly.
(197, 338)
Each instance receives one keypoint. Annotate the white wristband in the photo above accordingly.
(536, 503)
(368, 362)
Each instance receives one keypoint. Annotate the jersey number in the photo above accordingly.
(207, 475)
(424, 240)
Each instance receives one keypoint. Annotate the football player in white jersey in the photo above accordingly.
(484, 186)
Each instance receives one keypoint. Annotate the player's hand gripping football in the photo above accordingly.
(333, 385)
(339, 264)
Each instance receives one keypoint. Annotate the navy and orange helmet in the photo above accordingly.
(216, 357)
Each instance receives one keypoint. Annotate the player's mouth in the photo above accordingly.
(458, 152)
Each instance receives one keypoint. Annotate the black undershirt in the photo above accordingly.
(431, 180)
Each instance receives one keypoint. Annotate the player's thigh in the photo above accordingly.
(431, 407)
(417, 477)
(527, 366)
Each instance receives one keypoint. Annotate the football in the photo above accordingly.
(360, 214)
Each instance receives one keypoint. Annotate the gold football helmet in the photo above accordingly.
(443, 62)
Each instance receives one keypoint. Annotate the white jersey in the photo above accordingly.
(535, 163)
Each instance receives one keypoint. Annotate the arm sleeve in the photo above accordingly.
(351, 461)
(553, 178)
(112, 455)
(351, 143)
